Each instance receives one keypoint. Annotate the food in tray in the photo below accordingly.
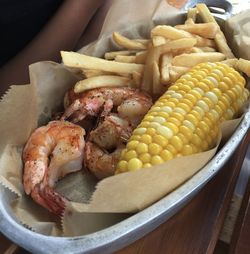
(190, 73)
(185, 119)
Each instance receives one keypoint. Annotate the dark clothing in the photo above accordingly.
(20, 21)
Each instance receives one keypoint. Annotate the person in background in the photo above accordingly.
(34, 31)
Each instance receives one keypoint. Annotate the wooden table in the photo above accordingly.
(196, 227)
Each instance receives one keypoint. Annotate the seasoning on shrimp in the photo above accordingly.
(52, 152)
(105, 143)
(131, 104)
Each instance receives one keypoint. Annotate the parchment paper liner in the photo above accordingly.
(25, 106)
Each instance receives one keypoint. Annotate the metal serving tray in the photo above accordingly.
(134, 227)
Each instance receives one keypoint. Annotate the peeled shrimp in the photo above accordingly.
(105, 143)
(130, 103)
(51, 152)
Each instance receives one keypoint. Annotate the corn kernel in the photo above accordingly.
(223, 86)
(154, 149)
(163, 114)
(171, 126)
(141, 148)
(183, 138)
(151, 132)
(187, 150)
(165, 131)
(171, 149)
(145, 158)
(200, 133)
(204, 126)
(140, 131)
(186, 131)
(191, 118)
(159, 119)
(189, 125)
(175, 121)
(134, 164)
(196, 140)
(122, 166)
(130, 155)
(176, 142)
(132, 144)
(146, 138)
(160, 140)
(177, 116)
(191, 98)
(148, 118)
(166, 155)
(156, 160)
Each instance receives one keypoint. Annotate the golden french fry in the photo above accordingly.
(158, 40)
(111, 55)
(187, 50)
(140, 57)
(125, 59)
(126, 42)
(73, 59)
(169, 32)
(191, 16)
(157, 87)
(101, 81)
(93, 73)
(204, 42)
(206, 49)
(143, 41)
(220, 38)
(189, 60)
(176, 72)
(165, 64)
(206, 30)
(232, 62)
(244, 66)
(137, 78)
(154, 54)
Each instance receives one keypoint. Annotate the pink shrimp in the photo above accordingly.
(51, 152)
(131, 104)
(105, 143)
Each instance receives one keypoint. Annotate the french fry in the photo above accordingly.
(137, 78)
(206, 49)
(177, 71)
(157, 87)
(125, 59)
(232, 62)
(191, 16)
(189, 60)
(73, 59)
(206, 30)
(143, 41)
(219, 37)
(169, 32)
(154, 54)
(165, 64)
(126, 42)
(93, 73)
(158, 40)
(140, 57)
(244, 66)
(111, 55)
(204, 42)
(101, 81)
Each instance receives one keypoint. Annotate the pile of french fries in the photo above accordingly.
(153, 64)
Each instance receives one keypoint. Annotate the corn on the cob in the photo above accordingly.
(185, 120)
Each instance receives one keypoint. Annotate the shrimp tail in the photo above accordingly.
(49, 199)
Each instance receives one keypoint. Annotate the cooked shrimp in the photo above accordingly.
(104, 146)
(101, 101)
(52, 152)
